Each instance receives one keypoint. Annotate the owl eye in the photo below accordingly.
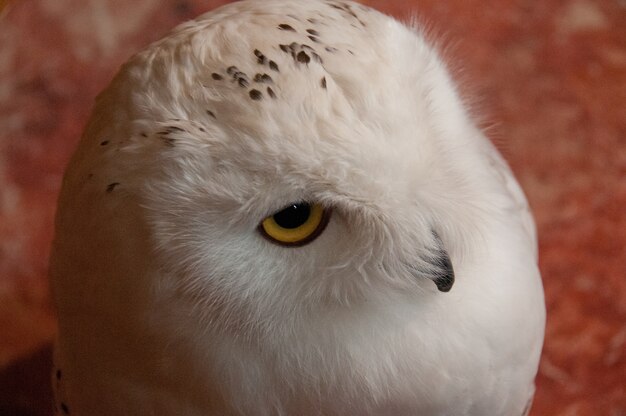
(295, 225)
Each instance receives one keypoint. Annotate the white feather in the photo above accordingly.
(171, 303)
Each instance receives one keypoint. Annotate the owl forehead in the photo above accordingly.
(255, 62)
(263, 54)
(324, 91)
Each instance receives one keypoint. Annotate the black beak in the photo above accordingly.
(444, 279)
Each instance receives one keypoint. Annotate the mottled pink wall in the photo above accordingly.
(549, 81)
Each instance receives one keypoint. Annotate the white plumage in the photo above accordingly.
(174, 300)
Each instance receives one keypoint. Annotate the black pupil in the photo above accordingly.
(293, 216)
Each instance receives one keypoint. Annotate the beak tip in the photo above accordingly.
(445, 283)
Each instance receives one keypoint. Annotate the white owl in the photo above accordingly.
(283, 208)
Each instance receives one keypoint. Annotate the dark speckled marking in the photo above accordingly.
(112, 187)
(323, 82)
(231, 70)
(271, 92)
(317, 58)
(241, 78)
(313, 32)
(274, 66)
(348, 9)
(285, 26)
(65, 409)
(314, 39)
(59, 374)
(211, 113)
(262, 78)
(170, 130)
(104, 143)
(202, 129)
(169, 141)
(303, 57)
(256, 95)
(284, 48)
(261, 59)
(217, 76)
(142, 134)
(331, 49)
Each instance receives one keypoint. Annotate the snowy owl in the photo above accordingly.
(284, 208)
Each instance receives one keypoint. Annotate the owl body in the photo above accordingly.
(420, 295)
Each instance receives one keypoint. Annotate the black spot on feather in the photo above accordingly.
(243, 82)
(261, 59)
(262, 78)
(303, 57)
(271, 92)
(256, 95)
(112, 186)
(285, 26)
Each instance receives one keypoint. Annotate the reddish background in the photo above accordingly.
(549, 78)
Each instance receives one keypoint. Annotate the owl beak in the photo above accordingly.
(444, 279)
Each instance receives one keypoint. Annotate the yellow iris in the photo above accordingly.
(295, 225)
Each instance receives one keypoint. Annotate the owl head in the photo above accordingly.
(266, 163)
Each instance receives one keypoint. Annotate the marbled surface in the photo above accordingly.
(548, 79)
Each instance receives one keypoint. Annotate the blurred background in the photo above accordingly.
(547, 77)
